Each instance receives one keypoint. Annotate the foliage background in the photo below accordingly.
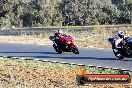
(38, 13)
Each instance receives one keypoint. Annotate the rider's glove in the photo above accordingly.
(123, 42)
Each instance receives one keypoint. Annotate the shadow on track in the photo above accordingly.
(49, 57)
(61, 57)
(126, 60)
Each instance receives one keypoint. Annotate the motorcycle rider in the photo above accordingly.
(59, 34)
(119, 41)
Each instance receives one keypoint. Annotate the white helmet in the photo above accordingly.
(121, 34)
(60, 31)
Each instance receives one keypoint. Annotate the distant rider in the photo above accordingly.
(59, 34)
(119, 41)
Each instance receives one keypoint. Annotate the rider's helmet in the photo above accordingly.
(60, 31)
(120, 34)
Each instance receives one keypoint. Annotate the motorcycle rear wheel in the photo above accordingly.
(118, 54)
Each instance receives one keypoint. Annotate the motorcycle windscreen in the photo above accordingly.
(52, 38)
(111, 40)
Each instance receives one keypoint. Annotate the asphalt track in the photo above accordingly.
(87, 56)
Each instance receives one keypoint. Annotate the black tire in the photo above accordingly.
(120, 57)
(59, 51)
(75, 50)
(81, 80)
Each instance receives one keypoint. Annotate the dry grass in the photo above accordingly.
(36, 74)
(98, 37)
(86, 37)
(25, 40)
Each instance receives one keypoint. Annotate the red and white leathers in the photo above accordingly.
(118, 42)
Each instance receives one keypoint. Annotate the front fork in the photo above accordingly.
(55, 43)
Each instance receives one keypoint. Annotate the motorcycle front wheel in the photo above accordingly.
(75, 50)
(118, 54)
(59, 51)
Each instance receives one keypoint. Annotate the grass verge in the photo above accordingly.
(17, 73)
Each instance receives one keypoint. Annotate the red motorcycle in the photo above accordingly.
(64, 44)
